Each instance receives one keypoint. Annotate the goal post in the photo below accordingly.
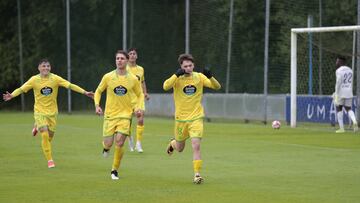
(293, 63)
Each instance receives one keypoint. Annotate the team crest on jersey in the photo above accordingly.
(46, 91)
(189, 89)
(120, 90)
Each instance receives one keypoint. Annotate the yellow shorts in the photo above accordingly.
(116, 125)
(184, 130)
(46, 120)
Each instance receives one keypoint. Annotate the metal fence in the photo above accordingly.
(227, 36)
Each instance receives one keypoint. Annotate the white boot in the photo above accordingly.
(131, 143)
(138, 147)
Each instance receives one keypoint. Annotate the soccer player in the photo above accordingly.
(121, 86)
(188, 90)
(45, 86)
(138, 71)
(343, 95)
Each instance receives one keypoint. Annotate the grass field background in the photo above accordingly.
(242, 163)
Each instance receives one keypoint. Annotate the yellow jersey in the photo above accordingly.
(119, 92)
(188, 91)
(45, 92)
(138, 71)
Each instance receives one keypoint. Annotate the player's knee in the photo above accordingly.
(180, 147)
(108, 144)
(141, 121)
(119, 143)
(43, 129)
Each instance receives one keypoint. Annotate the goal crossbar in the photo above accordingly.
(294, 32)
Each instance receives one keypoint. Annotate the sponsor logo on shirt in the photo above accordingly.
(46, 91)
(120, 90)
(189, 89)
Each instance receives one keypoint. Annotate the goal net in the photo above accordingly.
(313, 55)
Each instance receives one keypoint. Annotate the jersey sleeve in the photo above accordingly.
(28, 85)
(143, 76)
(64, 83)
(102, 86)
(139, 94)
(170, 83)
(210, 83)
(338, 83)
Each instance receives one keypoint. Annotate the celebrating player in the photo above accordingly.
(343, 95)
(120, 86)
(188, 90)
(138, 71)
(45, 86)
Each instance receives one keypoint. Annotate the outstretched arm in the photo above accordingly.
(7, 96)
(24, 88)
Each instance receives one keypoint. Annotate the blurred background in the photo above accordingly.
(227, 36)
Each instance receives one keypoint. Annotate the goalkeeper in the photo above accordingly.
(188, 91)
(343, 94)
(45, 86)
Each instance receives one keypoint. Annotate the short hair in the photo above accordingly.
(44, 60)
(132, 49)
(185, 57)
(123, 53)
(342, 58)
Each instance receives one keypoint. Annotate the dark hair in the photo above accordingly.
(132, 49)
(342, 58)
(123, 53)
(185, 57)
(44, 60)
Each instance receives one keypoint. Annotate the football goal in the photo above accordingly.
(312, 75)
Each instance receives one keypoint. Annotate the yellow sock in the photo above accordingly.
(118, 154)
(139, 132)
(197, 165)
(45, 144)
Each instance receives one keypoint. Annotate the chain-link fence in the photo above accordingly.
(157, 29)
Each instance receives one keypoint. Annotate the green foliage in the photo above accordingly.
(157, 29)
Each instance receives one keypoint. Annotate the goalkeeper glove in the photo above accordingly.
(179, 72)
(207, 73)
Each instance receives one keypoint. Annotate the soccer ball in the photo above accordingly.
(276, 124)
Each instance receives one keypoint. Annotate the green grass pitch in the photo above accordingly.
(242, 163)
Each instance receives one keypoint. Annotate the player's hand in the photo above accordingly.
(138, 113)
(147, 96)
(207, 73)
(179, 72)
(98, 110)
(335, 99)
(7, 96)
(89, 94)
